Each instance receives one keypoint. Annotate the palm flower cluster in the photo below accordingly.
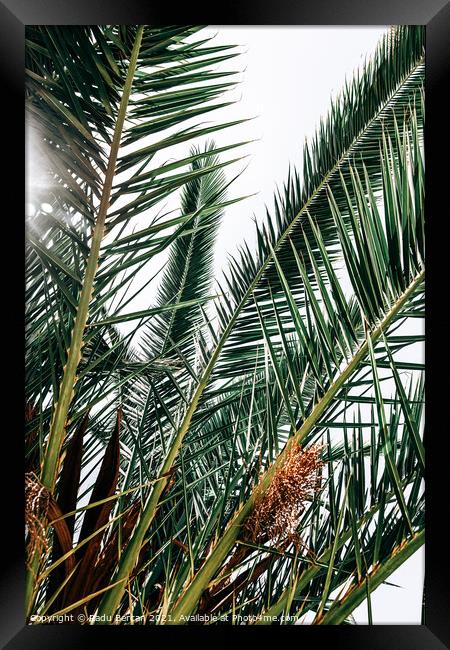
(36, 507)
(276, 513)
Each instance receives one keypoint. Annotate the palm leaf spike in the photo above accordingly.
(359, 130)
(187, 274)
(356, 595)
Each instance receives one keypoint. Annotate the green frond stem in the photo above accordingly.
(342, 608)
(66, 391)
(58, 424)
(128, 559)
(189, 600)
(306, 577)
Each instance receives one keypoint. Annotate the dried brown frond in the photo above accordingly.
(30, 411)
(276, 514)
(37, 500)
(31, 438)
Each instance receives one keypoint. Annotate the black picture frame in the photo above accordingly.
(434, 633)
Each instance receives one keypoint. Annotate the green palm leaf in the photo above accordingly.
(90, 92)
(308, 343)
(382, 291)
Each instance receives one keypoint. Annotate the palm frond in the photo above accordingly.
(384, 291)
(347, 139)
(92, 91)
(308, 349)
(188, 272)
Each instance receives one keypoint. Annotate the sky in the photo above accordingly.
(286, 79)
(289, 76)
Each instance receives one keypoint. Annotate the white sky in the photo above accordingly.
(289, 76)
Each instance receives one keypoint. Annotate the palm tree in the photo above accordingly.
(256, 453)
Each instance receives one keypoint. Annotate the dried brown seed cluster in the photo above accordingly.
(276, 513)
(36, 506)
